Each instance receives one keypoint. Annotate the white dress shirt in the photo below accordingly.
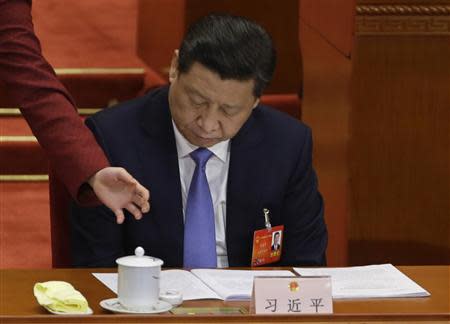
(217, 175)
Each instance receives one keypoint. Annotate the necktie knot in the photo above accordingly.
(201, 156)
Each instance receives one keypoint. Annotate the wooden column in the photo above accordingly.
(325, 39)
(399, 133)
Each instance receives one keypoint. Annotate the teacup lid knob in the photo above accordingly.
(138, 259)
(139, 251)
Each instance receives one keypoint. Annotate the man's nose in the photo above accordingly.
(208, 120)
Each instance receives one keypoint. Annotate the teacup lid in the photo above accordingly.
(139, 259)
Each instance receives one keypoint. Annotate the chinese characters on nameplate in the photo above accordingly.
(297, 295)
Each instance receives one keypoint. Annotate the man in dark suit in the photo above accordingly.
(257, 159)
(50, 111)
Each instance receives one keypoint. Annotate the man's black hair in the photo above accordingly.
(233, 47)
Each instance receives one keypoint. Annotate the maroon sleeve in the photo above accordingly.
(44, 102)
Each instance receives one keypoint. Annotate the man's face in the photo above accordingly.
(205, 108)
(276, 238)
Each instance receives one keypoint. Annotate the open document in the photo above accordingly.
(373, 281)
(205, 283)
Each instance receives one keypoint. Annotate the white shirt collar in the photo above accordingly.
(184, 148)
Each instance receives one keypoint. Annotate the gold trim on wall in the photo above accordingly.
(397, 25)
(23, 177)
(402, 19)
(11, 112)
(18, 138)
(88, 111)
(75, 71)
(400, 9)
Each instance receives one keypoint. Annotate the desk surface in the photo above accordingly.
(17, 303)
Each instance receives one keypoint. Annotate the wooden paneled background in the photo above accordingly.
(379, 106)
(399, 133)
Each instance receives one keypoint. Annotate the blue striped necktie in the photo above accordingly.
(199, 224)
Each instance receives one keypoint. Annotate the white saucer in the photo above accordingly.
(88, 312)
(113, 305)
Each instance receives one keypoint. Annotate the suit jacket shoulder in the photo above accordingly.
(123, 126)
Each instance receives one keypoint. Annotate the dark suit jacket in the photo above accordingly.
(43, 100)
(270, 167)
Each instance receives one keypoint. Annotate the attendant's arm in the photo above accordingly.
(51, 114)
(306, 237)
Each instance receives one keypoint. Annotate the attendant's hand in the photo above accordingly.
(117, 189)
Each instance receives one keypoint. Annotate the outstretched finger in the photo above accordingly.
(120, 217)
(140, 190)
(134, 210)
(145, 208)
(140, 202)
(137, 199)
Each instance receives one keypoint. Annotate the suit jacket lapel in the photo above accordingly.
(159, 160)
(245, 178)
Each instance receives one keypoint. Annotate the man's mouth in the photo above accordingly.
(205, 138)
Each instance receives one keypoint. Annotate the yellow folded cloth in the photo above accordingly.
(60, 296)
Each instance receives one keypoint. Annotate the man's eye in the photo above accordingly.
(197, 103)
(229, 111)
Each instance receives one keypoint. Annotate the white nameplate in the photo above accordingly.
(294, 295)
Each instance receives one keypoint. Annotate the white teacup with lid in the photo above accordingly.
(138, 282)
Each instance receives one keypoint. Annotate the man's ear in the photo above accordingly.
(173, 71)
(256, 103)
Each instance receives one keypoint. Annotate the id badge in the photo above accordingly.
(267, 244)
